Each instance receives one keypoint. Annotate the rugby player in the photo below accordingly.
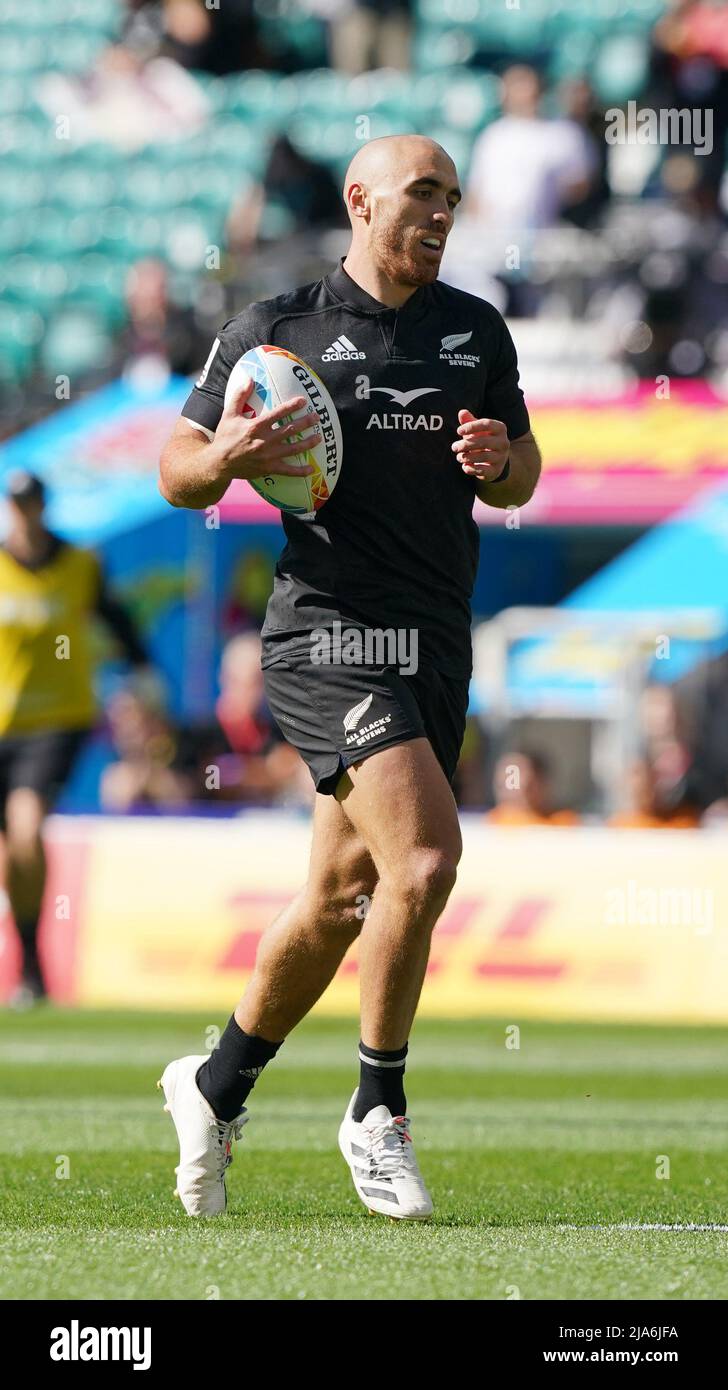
(425, 381)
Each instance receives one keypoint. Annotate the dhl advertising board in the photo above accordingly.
(550, 923)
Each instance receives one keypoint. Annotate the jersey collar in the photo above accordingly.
(344, 288)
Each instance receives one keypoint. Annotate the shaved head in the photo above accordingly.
(400, 191)
(382, 160)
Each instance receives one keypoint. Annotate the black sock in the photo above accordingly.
(381, 1081)
(232, 1069)
(32, 973)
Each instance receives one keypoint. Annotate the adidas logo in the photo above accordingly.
(352, 717)
(343, 350)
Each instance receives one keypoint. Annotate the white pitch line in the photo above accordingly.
(643, 1226)
(664, 1226)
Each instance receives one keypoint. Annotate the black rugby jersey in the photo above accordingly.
(396, 545)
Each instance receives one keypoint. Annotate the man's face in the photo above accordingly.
(520, 92)
(26, 512)
(410, 207)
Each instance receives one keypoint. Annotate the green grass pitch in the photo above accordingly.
(542, 1162)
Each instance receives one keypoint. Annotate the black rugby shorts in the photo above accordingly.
(41, 761)
(336, 715)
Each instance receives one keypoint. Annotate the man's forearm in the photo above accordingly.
(519, 486)
(191, 474)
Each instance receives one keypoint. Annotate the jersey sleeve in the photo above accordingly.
(503, 397)
(204, 405)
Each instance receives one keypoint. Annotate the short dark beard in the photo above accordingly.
(399, 266)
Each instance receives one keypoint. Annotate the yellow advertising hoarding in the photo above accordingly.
(552, 923)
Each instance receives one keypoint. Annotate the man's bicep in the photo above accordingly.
(179, 457)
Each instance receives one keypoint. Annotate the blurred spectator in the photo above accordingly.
(581, 107)
(689, 69)
(525, 170)
(553, 162)
(159, 337)
(648, 808)
(125, 100)
(262, 766)
(367, 34)
(301, 192)
(702, 698)
(666, 746)
(218, 39)
(522, 790)
(242, 758)
(155, 766)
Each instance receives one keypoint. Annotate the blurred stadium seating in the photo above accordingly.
(77, 213)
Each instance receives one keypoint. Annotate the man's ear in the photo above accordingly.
(358, 201)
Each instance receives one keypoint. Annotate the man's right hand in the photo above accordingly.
(256, 447)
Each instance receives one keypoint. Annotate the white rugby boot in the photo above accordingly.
(381, 1156)
(205, 1142)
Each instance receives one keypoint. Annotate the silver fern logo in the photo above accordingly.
(451, 350)
(456, 340)
(352, 717)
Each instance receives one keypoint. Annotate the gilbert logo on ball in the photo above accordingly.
(277, 376)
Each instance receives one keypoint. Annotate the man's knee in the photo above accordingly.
(426, 876)
(23, 850)
(23, 831)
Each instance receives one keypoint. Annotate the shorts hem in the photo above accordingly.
(328, 782)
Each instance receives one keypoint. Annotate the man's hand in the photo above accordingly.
(483, 447)
(258, 446)
(196, 472)
(483, 450)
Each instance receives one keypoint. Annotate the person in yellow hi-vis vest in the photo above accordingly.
(49, 591)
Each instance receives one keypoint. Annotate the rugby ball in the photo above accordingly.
(277, 376)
